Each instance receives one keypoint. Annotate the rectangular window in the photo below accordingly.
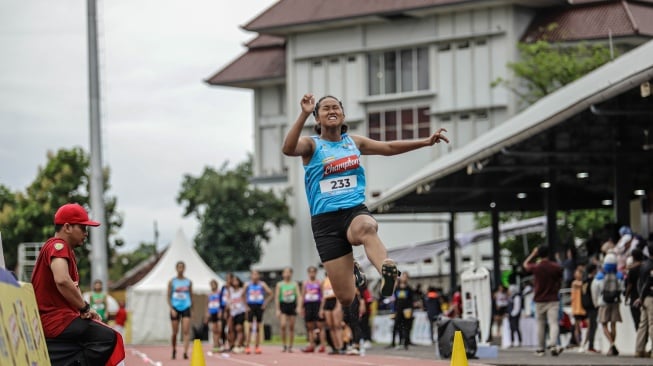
(375, 75)
(404, 124)
(390, 125)
(390, 72)
(374, 125)
(422, 69)
(399, 71)
(424, 122)
(407, 124)
(406, 70)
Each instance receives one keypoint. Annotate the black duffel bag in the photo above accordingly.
(447, 328)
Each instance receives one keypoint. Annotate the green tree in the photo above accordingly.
(121, 263)
(28, 216)
(545, 67)
(235, 217)
(574, 227)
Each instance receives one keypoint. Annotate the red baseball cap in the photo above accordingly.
(73, 213)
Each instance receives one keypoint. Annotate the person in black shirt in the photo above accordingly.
(645, 300)
(631, 284)
(403, 310)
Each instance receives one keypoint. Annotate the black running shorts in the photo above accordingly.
(311, 311)
(255, 311)
(288, 308)
(330, 231)
(330, 304)
(181, 314)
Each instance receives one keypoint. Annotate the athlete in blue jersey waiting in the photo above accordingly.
(180, 291)
(335, 187)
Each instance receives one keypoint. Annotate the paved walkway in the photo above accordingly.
(524, 356)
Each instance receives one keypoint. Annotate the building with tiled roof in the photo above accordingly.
(402, 68)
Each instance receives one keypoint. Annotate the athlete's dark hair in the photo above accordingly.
(180, 262)
(311, 268)
(317, 127)
(58, 227)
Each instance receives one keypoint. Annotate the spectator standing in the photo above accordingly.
(632, 279)
(606, 289)
(257, 295)
(98, 300)
(577, 309)
(587, 300)
(312, 298)
(180, 291)
(645, 300)
(366, 330)
(433, 308)
(547, 280)
(514, 314)
(501, 302)
(120, 319)
(214, 315)
(403, 310)
(288, 302)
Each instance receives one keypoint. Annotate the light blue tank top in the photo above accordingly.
(255, 294)
(334, 177)
(180, 298)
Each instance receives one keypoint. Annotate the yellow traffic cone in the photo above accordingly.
(197, 357)
(458, 356)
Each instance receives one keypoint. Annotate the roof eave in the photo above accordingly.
(249, 83)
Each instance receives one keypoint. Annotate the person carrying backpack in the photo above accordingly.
(588, 304)
(607, 288)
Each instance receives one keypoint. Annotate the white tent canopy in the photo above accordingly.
(147, 299)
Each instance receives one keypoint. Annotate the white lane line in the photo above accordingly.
(144, 357)
(347, 359)
(228, 357)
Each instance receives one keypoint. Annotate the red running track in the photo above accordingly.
(272, 355)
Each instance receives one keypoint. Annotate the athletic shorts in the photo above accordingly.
(330, 231)
(181, 314)
(609, 313)
(238, 319)
(330, 304)
(312, 312)
(255, 311)
(501, 310)
(214, 318)
(289, 308)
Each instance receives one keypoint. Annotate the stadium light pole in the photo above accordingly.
(99, 264)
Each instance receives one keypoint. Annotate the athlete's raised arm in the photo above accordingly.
(294, 144)
(367, 146)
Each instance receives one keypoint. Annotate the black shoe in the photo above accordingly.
(185, 356)
(613, 351)
(539, 353)
(174, 354)
(359, 275)
(389, 275)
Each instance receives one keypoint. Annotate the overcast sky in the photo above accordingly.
(160, 120)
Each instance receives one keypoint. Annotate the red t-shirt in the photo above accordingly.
(56, 313)
(121, 317)
(548, 278)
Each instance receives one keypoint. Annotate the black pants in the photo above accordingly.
(83, 343)
(637, 315)
(402, 327)
(591, 331)
(514, 328)
(352, 319)
(366, 330)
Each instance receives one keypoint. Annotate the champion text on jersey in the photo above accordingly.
(341, 165)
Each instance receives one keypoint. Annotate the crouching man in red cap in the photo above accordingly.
(72, 331)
